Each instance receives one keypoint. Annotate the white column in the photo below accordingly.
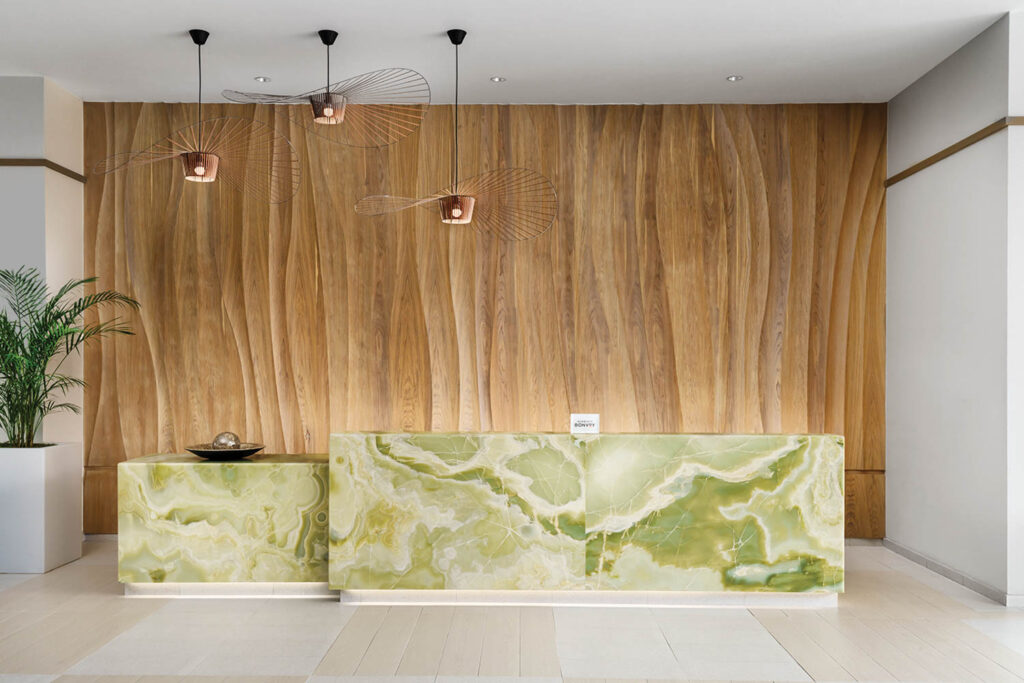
(955, 317)
(43, 209)
(1015, 315)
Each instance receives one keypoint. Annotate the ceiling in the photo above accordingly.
(551, 51)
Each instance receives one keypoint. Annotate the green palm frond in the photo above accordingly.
(24, 289)
(67, 288)
(62, 383)
(74, 309)
(38, 330)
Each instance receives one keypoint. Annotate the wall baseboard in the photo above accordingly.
(864, 541)
(980, 587)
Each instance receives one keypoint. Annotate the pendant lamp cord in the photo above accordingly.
(199, 120)
(455, 160)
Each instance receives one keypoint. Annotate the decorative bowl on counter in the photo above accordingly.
(206, 450)
(225, 446)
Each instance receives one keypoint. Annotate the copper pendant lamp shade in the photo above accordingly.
(199, 167)
(509, 203)
(328, 108)
(248, 155)
(456, 209)
(374, 109)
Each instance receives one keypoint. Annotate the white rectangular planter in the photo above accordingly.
(40, 507)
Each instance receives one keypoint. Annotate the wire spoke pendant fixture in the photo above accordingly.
(248, 155)
(374, 109)
(510, 203)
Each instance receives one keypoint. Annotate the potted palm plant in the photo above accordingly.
(41, 483)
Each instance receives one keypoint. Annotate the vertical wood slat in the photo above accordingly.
(100, 487)
(865, 504)
(713, 268)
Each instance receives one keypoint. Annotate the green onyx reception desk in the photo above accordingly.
(558, 512)
(184, 520)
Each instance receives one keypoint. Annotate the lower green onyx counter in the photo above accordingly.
(609, 512)
(184, 519)
(632, 512)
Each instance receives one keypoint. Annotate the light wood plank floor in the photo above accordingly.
(897, 622)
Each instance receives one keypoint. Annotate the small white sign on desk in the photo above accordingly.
(585, 423)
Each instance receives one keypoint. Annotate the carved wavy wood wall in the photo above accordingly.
(712, 268)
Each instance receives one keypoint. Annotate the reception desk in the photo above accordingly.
(616, 512)
(184, 520)
(407, 513)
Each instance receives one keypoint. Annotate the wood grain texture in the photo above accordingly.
(865, 504)
(712, 268)
(100, 488)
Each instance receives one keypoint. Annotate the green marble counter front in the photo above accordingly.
(185, 519)
(608, 512)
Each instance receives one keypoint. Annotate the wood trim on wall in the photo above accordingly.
(713, 268)
(991, 129)
(46, 163)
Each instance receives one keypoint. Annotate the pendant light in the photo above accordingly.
(328, 107)
(510, 203)
(248, 155)
(200, 166)
(374, 109)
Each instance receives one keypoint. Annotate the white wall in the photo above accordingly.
(21, 117)
(43, 209)
(23, 226)
(946, 362)
(22, 191)
(963, 94)
(1015, 359)
(63, 127)
(64, 259)
(64, 121)
(955, 317)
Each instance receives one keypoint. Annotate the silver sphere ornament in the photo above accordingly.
(227, 440)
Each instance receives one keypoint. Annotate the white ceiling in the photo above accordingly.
(551, 51)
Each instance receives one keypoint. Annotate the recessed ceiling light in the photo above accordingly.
(498, 79)
(262, 79)
(735, 78)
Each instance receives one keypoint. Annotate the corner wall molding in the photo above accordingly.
(46, 163)
(957, 146)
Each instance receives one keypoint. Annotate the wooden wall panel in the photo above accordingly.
(100, 488)
(865, 504)
(713, 268)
